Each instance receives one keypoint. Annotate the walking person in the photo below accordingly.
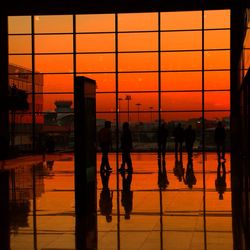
(219, 138)
(105, 143)
(162, 142)
(178, 138)
(189, 135)
(126, 146)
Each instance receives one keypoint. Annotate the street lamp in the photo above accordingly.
(138, 109)
(128, 98)
(151, 113)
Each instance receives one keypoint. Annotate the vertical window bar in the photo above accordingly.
(33, 83)
(203, 131)
(117, 131)
(159, 123)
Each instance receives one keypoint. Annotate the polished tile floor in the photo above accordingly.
(152, 210)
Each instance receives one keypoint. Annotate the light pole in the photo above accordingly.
(128, 98)
(151, 113)
(138, 110)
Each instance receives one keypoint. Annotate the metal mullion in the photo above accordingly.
(117, 130)
(203, 131)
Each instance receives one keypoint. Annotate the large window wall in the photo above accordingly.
(149, 67)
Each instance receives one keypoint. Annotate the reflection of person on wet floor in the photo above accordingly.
(126, 146)
(106, 196)
(220, 182)
(179, 170)
(190, 178)
(127, 194)
(162, 175)
(189, 135)
(162, 141)
(219, 138)
(105, 143)
(178, 138)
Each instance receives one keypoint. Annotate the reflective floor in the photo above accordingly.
(152, 210)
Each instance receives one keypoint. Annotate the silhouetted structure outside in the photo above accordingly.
(105, 143)
(219, 138)
(178, 140)
(126, 146)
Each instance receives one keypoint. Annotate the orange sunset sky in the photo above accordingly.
(180, 44)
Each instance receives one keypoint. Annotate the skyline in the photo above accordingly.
(138, 61)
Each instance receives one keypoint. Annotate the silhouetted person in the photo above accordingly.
(50, 164)
(162, 141)
(189, 135)
(126, 146)
(105, 143)
(162, 175)
(127, 194)
(178, 139)
(50, 144)
(106, 196)
(220, 182)
(179, 170)
(190, 178)
(219, 138)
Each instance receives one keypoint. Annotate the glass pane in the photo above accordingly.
(217, 59)
(217, 80)
(138, 81)
(137, 22)
(19, 24)
(95, 23)
(53, 43)
(105, 102)
(188, 40)
(138, 41)
(135, 107)
(181, 20)
(217, 19)
(181, 80)
(222, 40)
(181, 101)
(95, 43)
(95, 63)
(19, 44)
(138, 61)
(104, 82)
(21, 61)
(58, 83)
(181, 60)
(54, 24)
(54, 63)
(217, 100)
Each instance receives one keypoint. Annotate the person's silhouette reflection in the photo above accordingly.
(220, 182)
(179, 170)
(127, 194)
(190, 179)
(106, 196)
(162, 175)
